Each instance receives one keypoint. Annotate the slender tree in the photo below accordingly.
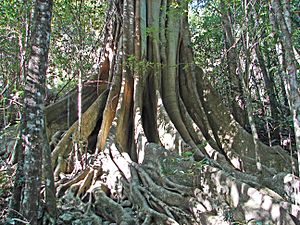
(290, 76)
(232, 64)
(34, 140)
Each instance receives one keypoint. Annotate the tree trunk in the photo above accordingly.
(154, 96)
(33, 140)
(290, 79)
(237, 99)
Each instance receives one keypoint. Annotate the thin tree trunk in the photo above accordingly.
(268, 83)
(33, 136)
(236, 89)
(291, 70)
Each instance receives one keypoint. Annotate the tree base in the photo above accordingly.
(165, 189)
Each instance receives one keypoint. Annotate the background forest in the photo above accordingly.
(249, 54)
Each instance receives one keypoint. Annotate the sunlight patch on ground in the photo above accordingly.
(234, 194)
(256, 198)
(275, 212)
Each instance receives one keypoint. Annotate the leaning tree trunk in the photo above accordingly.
(150, 104)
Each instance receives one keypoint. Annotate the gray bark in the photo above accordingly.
(34, 133)
(291, 83)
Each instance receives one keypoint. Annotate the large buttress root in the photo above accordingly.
(157, 104)
(64, 146)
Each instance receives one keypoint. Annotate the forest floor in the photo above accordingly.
(8, 138)
(71, 209)
(6, 185)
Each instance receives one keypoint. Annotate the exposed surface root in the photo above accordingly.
(160, 191)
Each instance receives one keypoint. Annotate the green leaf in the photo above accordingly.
(187, 154)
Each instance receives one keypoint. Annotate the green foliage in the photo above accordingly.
(10, 11)
(75, 43)
(3, 182)
(187, 154)
(209, 43)
(177, 8)
(295, 17)
(140, 66)
(207, 35)
(171, 165)
(151, 30)
(76, 33)
(13, 39)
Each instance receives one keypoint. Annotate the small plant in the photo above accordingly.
(3, 183)
(187, 154)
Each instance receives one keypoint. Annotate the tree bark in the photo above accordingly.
(34, 134)
(156, 99)
(238, 105)
(291, 83)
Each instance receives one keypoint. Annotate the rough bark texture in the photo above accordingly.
(33, 135)
(154, 105)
